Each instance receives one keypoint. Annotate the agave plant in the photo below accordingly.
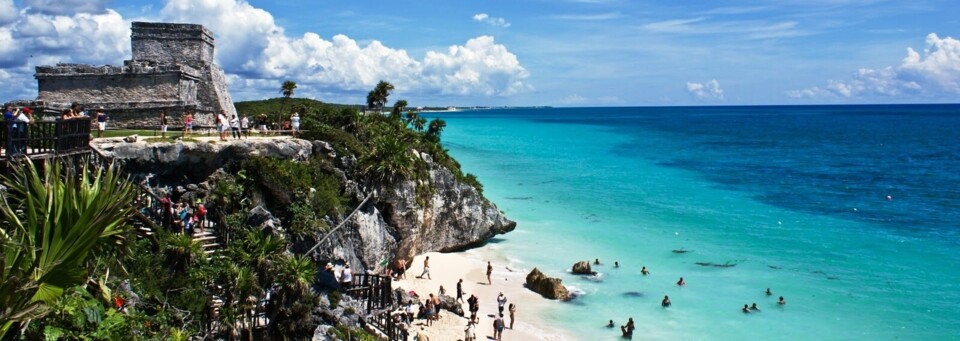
(53, 218)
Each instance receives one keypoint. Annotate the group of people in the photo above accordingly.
(627, 329)
(17, 121)
(429, 309)
(231, 125)
(182, 217)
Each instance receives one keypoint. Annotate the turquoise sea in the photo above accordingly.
(794, 198)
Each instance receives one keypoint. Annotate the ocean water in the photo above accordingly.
(790, 198)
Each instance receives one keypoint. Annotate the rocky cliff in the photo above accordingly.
(394, 225)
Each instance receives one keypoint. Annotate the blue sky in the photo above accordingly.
(527, 52)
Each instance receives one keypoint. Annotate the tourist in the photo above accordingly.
(769, 293)
(410, 312)
(181, 214)
(23, 119)
(460, 291)
(436, 304)
(501, 301)
(402, 269)
(666, 301)
(166, 207)
(610, 324)
(644, 271)
(245, 126)
(681, 282)
(235, 127)
(616, 264)
(498, 327)
(627, 330)
(66, 114)
(426, 268)
(295, 124)
(187, 124)
(512, 310)
(163, 124)
(754, 307)
(782, 301)
(222, 125)
(428, 311)
(470, 333)
(346, 277)
(596, 261)
(489, 272)
(101, 121)
(474, 304)
(422, 335)
(262, 124)
(201, 215)
(746, 309)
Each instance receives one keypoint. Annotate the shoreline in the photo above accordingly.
(447, 268)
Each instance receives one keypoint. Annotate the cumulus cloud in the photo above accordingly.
(933, 74)
(706, 91)
(66, 7)
(484, 18)
(254, 51)
(250, 44)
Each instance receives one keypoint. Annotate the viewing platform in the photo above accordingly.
(44, 139)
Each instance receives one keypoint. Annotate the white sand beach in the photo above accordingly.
(447, 268)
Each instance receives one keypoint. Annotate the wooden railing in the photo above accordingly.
(377, 294)
(44, 138)
(389, 326)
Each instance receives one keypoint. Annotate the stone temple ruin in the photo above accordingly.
(172, 70)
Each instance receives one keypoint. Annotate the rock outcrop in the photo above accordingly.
(548, 287)
(582, 268)
(395, 224)
(450, 304)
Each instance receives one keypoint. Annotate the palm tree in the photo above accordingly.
(55, 217)
(389, 160)
(398, 109)
(293, 301)
(286, 88)
(419, 123)
(412, 115)
(435, 128)
(377, 97)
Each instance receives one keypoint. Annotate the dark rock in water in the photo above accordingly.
(548, 287)
(681, 251)
(775, 267)
(633, 294)
(704, 263)
(450, 304)
(582, 268)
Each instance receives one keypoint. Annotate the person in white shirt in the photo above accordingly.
(235, 127)
(346, 277)
(295, 124)
(245, 126)
(222, 125)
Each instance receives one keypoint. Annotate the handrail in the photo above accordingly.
(345, 220)
(44, 137)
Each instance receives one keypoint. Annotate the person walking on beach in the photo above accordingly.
(436, 304)
(513, 310)
(501, 301)
(489, 272)
(474, 304)
(498, 328)
(426, 268)
(460, 291)
(163, 124)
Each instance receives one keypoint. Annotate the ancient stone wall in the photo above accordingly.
(172, 43)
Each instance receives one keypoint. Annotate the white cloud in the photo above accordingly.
(934, 74)
(706, 91)
(256, 53)
(8, 12)
(484, 18)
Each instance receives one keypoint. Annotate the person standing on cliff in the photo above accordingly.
(295, 124)
(489, 272)
(245, 126)
(101, 122)
(188, 124)
(262, 123)
(163, 124)
(235, 127)
(426, 268)
(222, 125)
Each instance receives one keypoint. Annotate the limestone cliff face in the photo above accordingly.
(394, 224)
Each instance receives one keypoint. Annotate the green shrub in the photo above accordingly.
(334, 297)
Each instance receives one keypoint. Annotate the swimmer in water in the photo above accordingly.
(666, 301)
(782, 301)
(610, 324)
(616, 264)
(596, 261)
(769, 292)
(746, 309)
(754, 307)
(644, 271)
(681, 282)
